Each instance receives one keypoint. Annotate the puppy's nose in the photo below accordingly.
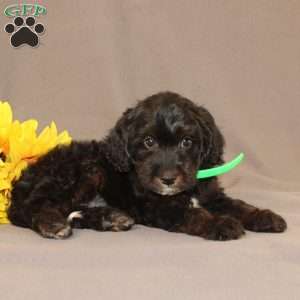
(168, 180)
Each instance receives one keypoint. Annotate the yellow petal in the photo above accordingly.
(16, 150)
(4, 171)
(3, 209)
(30, 125)
(6, 114)
(17, 171)
(64, 138)
(53, 129)
(4, 185)
(3, 205)
(4, 220)
(22, 139)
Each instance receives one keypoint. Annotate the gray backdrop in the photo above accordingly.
(241, 59)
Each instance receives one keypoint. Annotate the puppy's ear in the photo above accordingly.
(213, 141)
(116, 143)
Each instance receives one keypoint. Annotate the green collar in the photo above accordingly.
(220, 169)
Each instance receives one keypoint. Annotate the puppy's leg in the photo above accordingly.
(41, 210)
(194, 221)
(198, 221)
(252, 218)
(50, 223)
(102, 219)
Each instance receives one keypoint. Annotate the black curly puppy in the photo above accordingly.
(142, 172)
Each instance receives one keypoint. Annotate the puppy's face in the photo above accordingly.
(166, 139)
(164, 146)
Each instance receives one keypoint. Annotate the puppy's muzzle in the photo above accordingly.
(169, 178)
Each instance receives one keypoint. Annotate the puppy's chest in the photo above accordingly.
(194, 203)
(175, 203)
(95, 202)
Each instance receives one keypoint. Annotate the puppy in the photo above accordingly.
(142, 172)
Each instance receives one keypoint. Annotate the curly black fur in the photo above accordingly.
(142, 172)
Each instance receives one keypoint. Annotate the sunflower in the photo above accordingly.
(20, 145)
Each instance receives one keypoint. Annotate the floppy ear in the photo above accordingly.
(116, 143)
(213, 141)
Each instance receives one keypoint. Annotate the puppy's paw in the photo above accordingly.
(265, 221)
(224, 228)
(55, 230)
(117, 221)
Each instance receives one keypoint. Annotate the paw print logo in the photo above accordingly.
(24, 32)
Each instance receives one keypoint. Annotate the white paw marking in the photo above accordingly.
(74, 215)
(63, 233)
(195, 203)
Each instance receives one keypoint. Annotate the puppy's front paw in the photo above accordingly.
(265, 221)
(224, 228)
(55, 230)
(117, 221)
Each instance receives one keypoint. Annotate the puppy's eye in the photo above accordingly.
(186, 143)
(149, 142)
